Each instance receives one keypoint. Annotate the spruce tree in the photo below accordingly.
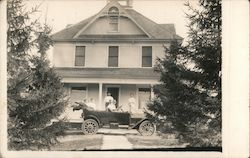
(35, 92)
(189, 96)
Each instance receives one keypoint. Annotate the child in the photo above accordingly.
(111, 106)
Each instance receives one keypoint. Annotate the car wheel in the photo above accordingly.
(146, 128)
(90, 126)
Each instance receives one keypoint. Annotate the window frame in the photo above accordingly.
(144, 57)
(113, 19)
(80, 56)
(117, 56)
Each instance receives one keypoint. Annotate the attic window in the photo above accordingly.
(113, 19)
(113, 11)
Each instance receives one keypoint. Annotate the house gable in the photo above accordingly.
(131, 26)
(102, 18)
(125, 27)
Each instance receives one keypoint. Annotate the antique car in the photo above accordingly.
(93, 120)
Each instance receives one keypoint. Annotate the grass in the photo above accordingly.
(79, 143)
(143, 142)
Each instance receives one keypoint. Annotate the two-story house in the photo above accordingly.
(113, 51)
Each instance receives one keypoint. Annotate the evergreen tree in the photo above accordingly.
(35, 93)
(189, 95)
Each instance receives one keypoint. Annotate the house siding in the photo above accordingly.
(96, 55)
(64, 55)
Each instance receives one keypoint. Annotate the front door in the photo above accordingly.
(114, 93)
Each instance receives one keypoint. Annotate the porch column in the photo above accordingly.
(100, 96)
(152, 91)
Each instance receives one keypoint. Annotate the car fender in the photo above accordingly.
(92, 117)
(136, 126)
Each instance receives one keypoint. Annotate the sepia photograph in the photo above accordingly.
(114, 76)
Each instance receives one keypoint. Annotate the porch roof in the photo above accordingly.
(118, 73)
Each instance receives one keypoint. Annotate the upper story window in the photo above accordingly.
(113, 56)
(113, 19)
(80, 56)
(146, 56)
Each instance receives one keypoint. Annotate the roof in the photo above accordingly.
(153, 31)
(69, 32)
(122, 73)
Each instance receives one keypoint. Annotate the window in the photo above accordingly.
(113, 11)
(113, 19)
(80, 56)
(78, 94)
(143, 96)
(146, 56)
(113, 56)
(113, 24)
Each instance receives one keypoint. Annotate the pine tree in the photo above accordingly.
(189, 95)
(35, 92)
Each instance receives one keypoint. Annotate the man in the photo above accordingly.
(108, 100)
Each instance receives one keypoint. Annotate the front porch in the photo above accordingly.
(96, 93)
(94, 83)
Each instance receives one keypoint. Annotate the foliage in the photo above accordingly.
(35, 93)
(189, 95)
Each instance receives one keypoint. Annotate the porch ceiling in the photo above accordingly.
(118, 73)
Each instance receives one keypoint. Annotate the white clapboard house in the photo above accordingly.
(112, 51)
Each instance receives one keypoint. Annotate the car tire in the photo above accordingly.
(90, 127)
(146, 128)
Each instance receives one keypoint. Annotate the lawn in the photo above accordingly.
(79, 143)
(152, 142)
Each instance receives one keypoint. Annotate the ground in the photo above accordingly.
(114, 139)
(79, 142)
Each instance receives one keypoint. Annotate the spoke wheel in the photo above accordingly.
(90, 126)
(146, 128)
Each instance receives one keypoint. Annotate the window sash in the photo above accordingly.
(113, 56)
(80, 51)
(146, 56)
(113, 23)
(80, 61)
(147, 51)
(113, 20)
(113, 62)
(80, 56)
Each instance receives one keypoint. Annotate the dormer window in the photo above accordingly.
(113, 14)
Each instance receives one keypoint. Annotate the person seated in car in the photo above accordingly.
(111, 106)
(82, 105)
(91, 104)
(107, 99)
